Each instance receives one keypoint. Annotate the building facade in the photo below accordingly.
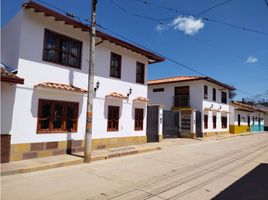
(203, 103)
(47, 114)
(245, 118)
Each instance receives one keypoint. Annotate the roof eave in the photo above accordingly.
(12, 80)
(60, 17)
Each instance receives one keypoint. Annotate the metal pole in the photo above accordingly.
(88, 132)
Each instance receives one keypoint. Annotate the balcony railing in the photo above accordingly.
(181, 101)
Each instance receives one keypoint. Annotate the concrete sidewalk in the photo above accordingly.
(224, 136)
(31, 165)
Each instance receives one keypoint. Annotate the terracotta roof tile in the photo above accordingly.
(61, 87)
(10, 77)
(142, 99)
(116, 95)
(246, 107)
(188, 78)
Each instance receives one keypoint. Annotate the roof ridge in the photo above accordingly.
(175, 77)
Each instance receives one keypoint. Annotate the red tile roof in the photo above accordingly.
(142, 99)
(116, 95)
(188, 78)
(10, 77)
(60, 17)
(60, 86)
(245, 107)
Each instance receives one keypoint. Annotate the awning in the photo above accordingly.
(59, 86)
(141, 100)
(116, 95)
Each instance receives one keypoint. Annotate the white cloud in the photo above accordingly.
(251, 60)
(161, 27)
(189, 25)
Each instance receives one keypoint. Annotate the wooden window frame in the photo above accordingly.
(140, 73)
(57, 49)
(248, 121)
(214, 94)
(139, 115)
(223, 122)
(205, 121)
(224, 98)
(120, 66)
(111, 129)
(63, 128)
(205, 92)
(158, 90)
(214, 125)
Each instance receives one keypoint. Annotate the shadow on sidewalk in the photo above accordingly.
(253, 185)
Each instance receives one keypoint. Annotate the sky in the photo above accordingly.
(178, 30)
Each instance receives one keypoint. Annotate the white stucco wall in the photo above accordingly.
(166, 98)
(8, 92)
(244, 117)
(10, 41)
(197, 101)
(34, 70)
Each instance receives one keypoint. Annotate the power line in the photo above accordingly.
(167, 58)
(134, 14)
(214, 6)
(192, 37)
(133, 42)
(243, 28)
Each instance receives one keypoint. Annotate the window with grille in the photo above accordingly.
(224, 122)
(140, 69)
(205, 121)
(115, 65)
(113, 118)
(57, 116)
(61, 49)
(205, 92)
(138, 119)
(214, 122)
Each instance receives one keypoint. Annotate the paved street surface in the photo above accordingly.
(233, 168)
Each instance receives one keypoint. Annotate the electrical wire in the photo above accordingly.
(133, 42)
(266, 1)
(194, 38)
(167, 58)
(213, 7)
(243, 28)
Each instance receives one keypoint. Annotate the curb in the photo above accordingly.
(46, 166)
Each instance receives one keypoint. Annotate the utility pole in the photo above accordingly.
(88, 131)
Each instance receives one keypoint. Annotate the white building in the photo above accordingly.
(46, 115)
(246, 118)
(203, 103)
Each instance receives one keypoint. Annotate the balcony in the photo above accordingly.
(181, 101)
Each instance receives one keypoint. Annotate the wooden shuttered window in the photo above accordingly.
(223, 97)
(138, 119)
(223, 122)
(214, 120)
(113, 118)
(214, 94)
(205, 92)
(115, 65)
(57, 116)
(61, 49)
(140, 70)
(205, 121)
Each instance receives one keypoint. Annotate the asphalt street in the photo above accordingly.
(233, 168)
